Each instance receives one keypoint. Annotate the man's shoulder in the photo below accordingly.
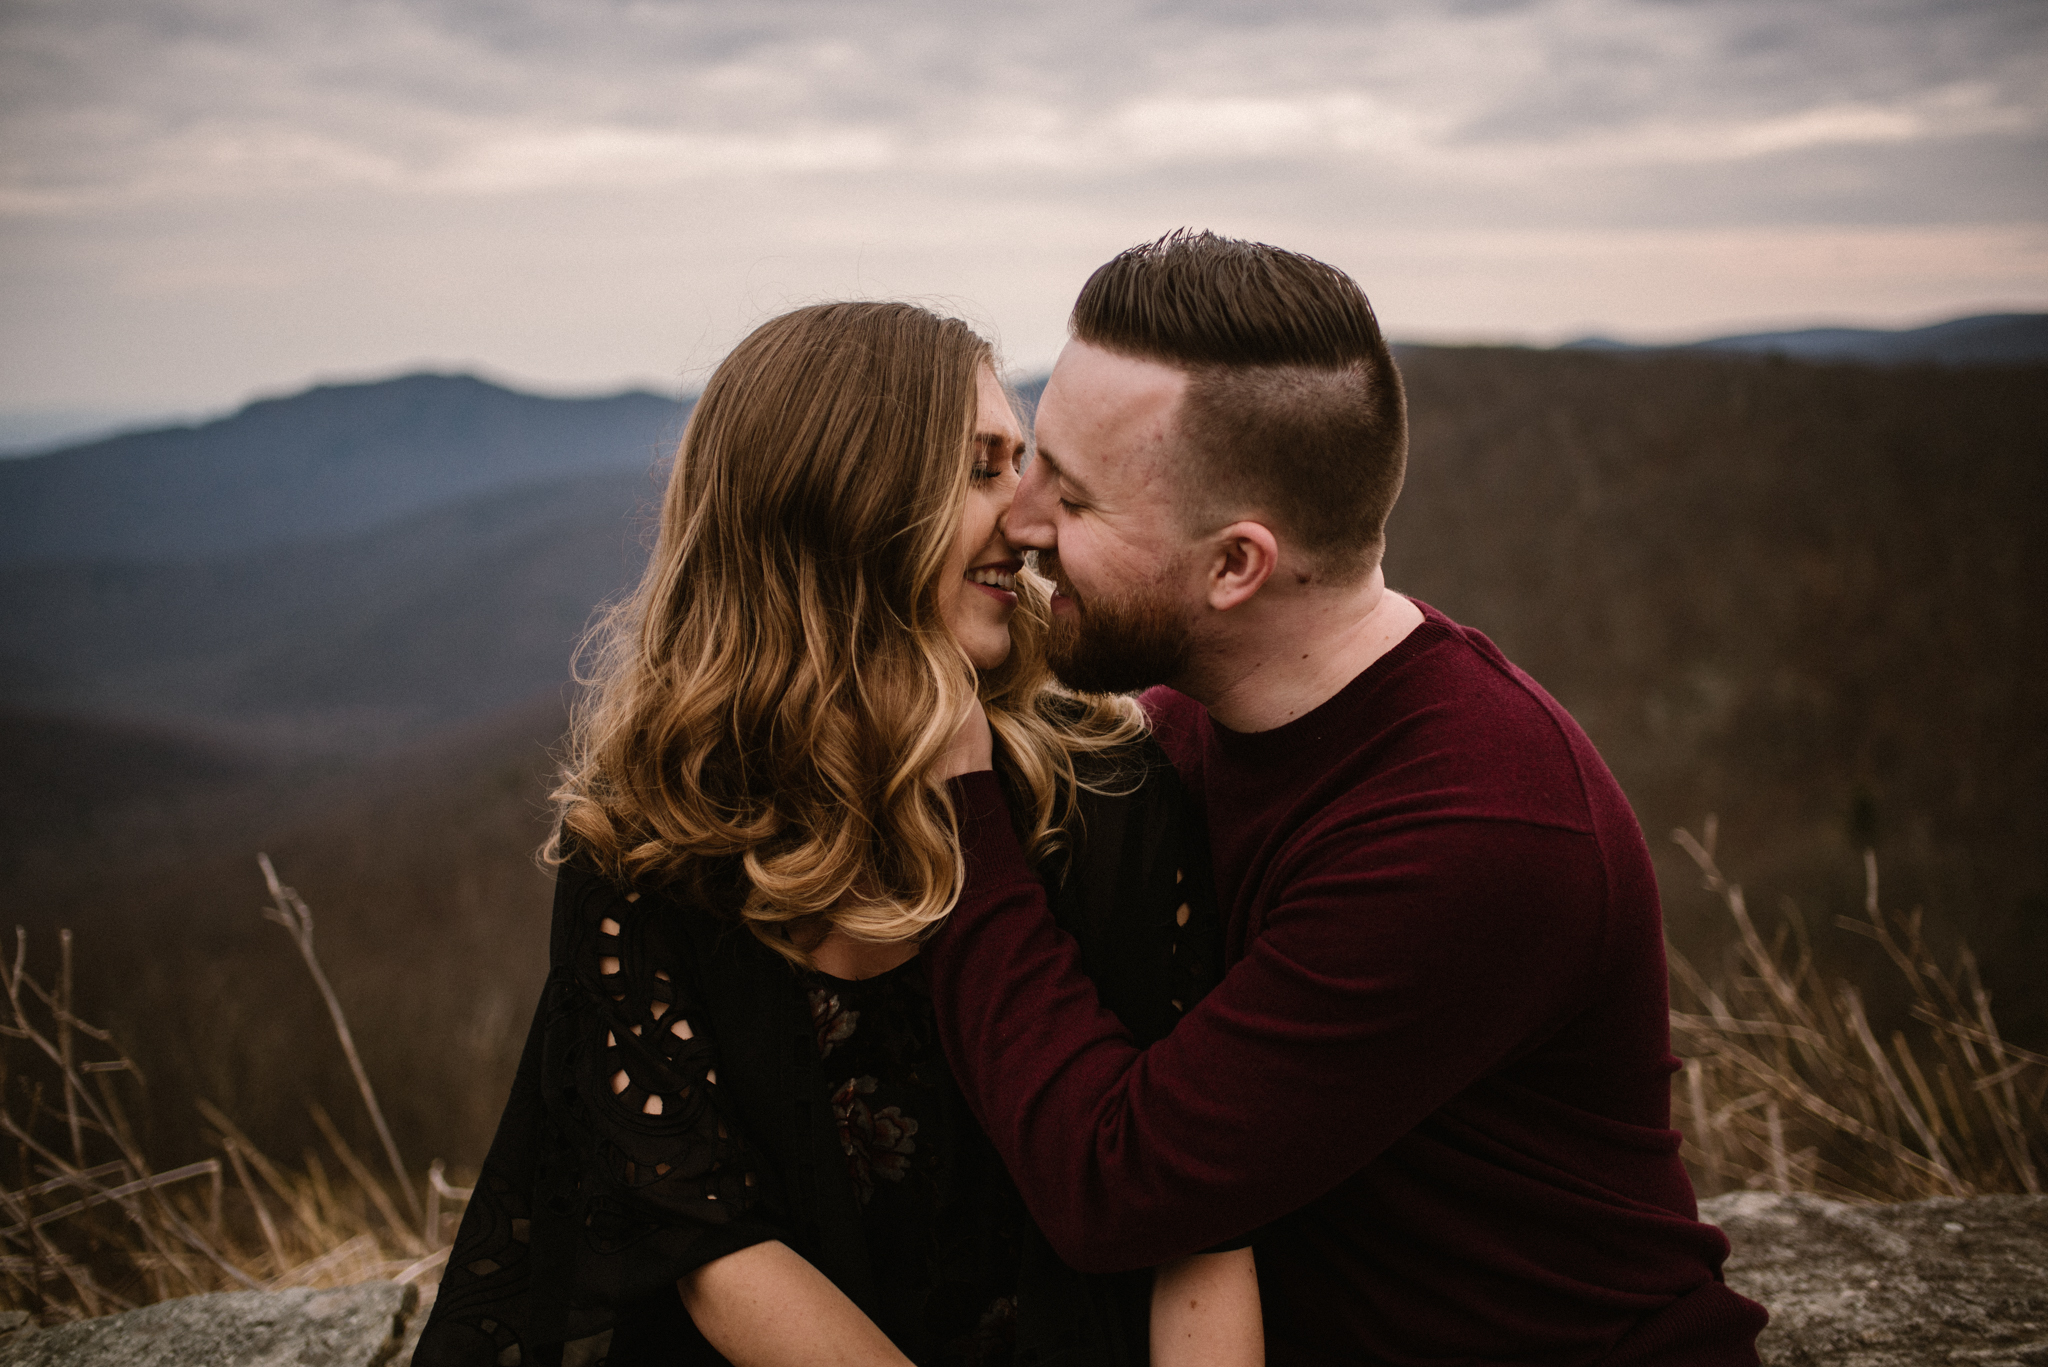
(1461, 663)
(1443, 723)
(1447, 714)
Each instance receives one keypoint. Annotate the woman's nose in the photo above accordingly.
(1004, 492)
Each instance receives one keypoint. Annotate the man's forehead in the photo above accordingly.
(1101, 404)
(1115, 376)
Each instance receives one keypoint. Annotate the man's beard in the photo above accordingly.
(1114, 644)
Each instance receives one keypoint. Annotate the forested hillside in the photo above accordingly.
(1803, 597)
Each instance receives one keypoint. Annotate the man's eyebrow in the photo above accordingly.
(1061, 471)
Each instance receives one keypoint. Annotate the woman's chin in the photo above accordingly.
(990, 654)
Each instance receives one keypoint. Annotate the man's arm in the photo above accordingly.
(1399, 966)
(764, 1306)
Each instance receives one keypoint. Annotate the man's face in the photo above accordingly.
(1099, 506)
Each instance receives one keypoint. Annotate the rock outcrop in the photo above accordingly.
(349, 1326)
(1909, 1285)
(1912, 1285)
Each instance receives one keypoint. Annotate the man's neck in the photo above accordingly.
(1298, 652)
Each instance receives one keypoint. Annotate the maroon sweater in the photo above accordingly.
(1434, 1083)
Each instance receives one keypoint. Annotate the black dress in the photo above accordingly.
(764, 1102)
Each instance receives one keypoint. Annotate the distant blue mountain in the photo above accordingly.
(358, 640)
(333, 461)
(1991, 339)
(36, 431)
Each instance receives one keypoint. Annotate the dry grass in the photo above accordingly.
(91, 1227)
(1787, 1086)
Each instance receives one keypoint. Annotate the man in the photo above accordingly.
(1433, 1086)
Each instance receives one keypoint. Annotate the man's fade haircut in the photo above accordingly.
(1294, 409)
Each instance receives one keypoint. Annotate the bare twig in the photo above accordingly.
(1852, 1003)
(290, 911)
(101, 1195)
(426, 1264)
(65, 1060)
(365, 1179)
(279, 1262)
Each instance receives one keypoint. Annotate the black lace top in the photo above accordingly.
(685, 1093)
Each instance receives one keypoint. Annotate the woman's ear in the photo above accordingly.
(1243, 556)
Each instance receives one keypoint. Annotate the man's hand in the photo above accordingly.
(971, 748)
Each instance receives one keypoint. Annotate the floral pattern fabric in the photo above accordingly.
(878, 1140)
(878, 1143)
(830, 1020)
(874, 1073)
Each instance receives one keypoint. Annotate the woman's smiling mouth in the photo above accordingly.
(1000, 579)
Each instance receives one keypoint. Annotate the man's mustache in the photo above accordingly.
(1046, 564)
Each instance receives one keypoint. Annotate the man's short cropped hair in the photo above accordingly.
(1294, 412)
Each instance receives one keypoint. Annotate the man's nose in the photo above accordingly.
(1028, 522)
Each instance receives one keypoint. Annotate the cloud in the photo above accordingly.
(965, 149)
(118, 100)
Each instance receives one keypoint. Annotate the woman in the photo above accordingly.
(732, 1136)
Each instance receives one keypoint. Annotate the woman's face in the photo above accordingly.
(978, 593)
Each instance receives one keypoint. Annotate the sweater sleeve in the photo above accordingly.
(1396, 966)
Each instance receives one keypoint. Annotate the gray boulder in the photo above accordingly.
(348, 1326)
(1908, 1285)
(1911, 1285)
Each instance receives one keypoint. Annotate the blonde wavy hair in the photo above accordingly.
(765, 710)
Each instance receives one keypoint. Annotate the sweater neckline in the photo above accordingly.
(1312, 726)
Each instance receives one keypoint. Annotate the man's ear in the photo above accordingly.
(1243, 556)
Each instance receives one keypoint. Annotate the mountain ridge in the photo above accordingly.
(1982, 339)
(328, 461)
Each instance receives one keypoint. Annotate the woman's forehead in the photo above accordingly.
(995, 417)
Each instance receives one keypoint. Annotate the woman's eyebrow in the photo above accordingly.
(998, 442)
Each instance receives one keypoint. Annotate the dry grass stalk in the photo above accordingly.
(87, 1227)
(290, 911)
(1787, 1086)
(52, 1239)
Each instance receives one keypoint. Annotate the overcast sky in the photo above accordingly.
(206, 199)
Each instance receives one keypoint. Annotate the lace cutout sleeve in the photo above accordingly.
(644, 1070)
(617, 1168)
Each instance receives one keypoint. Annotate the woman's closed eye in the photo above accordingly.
(995, 457)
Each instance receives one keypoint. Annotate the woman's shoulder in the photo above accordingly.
(681, 913)
(710, 885)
